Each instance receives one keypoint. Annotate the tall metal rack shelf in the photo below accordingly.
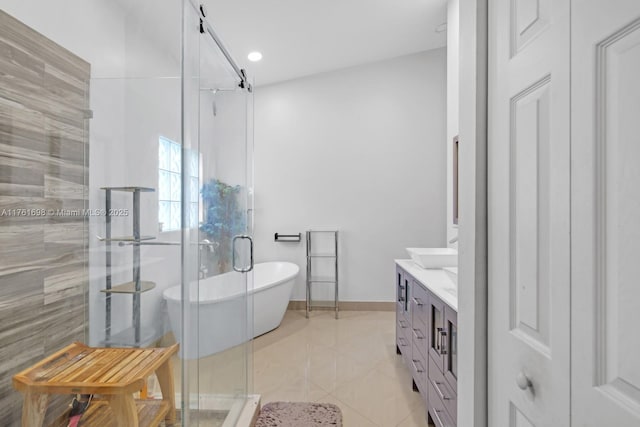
(312, 279)
(133, 336)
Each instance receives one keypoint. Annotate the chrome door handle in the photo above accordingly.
(523, 381)
(421, 369)
(415, 333)
(418, 301)
(402, 342)
(403, 324)
(233, 253)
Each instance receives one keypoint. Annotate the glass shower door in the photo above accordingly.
(217, 247)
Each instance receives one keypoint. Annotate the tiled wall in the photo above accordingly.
(44, 156)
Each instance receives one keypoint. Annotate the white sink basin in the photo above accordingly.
(434, 257)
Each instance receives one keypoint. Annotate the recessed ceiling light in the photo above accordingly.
(254, 56)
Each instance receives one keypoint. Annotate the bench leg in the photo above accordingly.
(34, 408)
(165, 378)
(124, 410)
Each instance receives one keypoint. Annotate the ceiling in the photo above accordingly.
(297, 37)
(304, 37)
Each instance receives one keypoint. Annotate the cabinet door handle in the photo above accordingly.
(403, 324)
(420, 369)
(415, 333)
(436, 385)
(418, 302)
(402, 342)
(438, 341)
(406, 293)
(443, 341)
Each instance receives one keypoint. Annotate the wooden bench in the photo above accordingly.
(114, 374)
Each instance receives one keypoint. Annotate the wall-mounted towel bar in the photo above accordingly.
(287, 237)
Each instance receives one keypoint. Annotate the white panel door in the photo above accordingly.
(529, 213)
(605, 213)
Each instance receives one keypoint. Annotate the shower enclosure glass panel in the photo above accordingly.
(216, 250)
(170, 118)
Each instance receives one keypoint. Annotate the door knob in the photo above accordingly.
(523, 381)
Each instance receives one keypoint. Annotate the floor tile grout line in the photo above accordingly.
(353, 409)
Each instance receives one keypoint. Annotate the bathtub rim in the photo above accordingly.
(251, 291)
(277, 282)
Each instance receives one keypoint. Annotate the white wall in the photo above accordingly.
(453, 105)
(361, 149)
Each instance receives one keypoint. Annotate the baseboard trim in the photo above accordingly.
(348, 305)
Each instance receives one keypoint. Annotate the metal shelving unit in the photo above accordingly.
(312, 279)
(133, 336)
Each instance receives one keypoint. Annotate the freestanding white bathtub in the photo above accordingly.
(218, 303)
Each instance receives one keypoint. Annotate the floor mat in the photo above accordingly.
(299, 414)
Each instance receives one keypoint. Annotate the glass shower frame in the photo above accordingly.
(165, 95)
(211, 80)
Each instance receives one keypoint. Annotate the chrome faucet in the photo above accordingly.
(210, 247)
(202, 272)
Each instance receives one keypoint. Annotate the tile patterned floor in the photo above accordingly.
(350, 362)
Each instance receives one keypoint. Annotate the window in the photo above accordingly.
(170, 182)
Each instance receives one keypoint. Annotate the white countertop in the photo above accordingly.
(436, 280)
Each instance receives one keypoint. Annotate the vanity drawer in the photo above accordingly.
(443, 392)
(404, 343)
(403, 328)
(419, 369)
(438, 413)
(405, 347)
(403, 337)
(419, 337)
(419, 301)
(403, 323)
